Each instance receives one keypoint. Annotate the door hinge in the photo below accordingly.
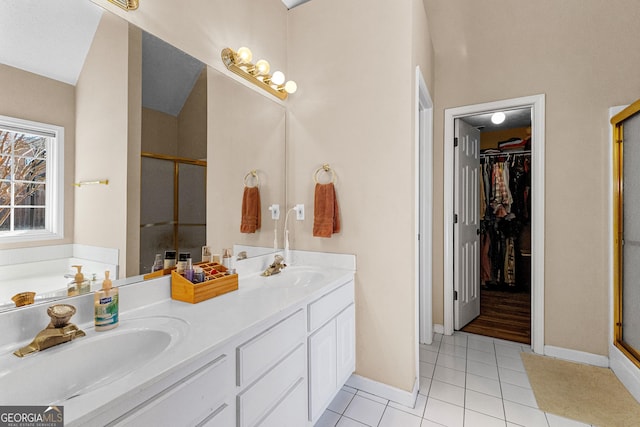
(455, 141)
(455, 295)
(455, 218)
(418, 236)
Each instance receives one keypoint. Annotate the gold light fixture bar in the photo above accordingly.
(126, 4)
(256, 74)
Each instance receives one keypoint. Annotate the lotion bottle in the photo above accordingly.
(106, 305)
(79, 285)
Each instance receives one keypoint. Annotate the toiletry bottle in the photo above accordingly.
(198, 274)
(106, 305)
(182, 262)
(79, 285)
(158, 264)
(169, 259)
(226, 257)
(188, 270)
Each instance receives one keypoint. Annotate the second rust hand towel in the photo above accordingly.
(251, 217)
(326, 215)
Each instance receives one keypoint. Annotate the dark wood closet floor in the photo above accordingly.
(504, 315)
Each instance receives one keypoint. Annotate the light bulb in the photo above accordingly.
(277, 78)
(244, 55)
(498, 117)
(291, 87)
(262, 67)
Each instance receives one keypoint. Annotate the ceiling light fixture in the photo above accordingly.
(497, 118)
(240, 63)
(126, 4)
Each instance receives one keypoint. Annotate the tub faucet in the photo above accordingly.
(58, 331)
(276, 266)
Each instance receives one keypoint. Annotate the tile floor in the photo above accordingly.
(466, 380)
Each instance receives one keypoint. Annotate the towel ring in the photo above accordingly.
(324, 168)
(254, 174)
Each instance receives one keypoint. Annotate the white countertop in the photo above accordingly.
(211, 324)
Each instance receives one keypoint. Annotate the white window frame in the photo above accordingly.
(54, 206)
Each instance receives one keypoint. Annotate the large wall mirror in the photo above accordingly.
(171, 116)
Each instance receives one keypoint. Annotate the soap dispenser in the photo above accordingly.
(79, 285)
(106, 305)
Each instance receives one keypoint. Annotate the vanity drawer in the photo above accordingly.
(291, 411)
(327, 307)
(200, 396)
(256, 402)
(264, 350)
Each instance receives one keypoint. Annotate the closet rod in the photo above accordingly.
(505, 153)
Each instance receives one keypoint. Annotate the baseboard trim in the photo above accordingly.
(626, 371)
(438, 329)
(385, 391)
(576, 356)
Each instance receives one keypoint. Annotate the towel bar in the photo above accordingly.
(254, 174)
(324, 168)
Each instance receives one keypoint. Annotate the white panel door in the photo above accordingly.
(322, 369)
(466, 231)
(346, 344)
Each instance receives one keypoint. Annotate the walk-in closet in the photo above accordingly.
(504, 226)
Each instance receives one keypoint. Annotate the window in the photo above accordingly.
(31, 177)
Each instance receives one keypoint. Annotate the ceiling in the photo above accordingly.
(518, 118)
(50, 38)
(168, 75)
(293, 3)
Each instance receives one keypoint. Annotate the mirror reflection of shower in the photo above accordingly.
(174, 149)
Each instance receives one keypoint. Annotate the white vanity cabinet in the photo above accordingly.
(204, 397)
(331, 326)
(271, 375)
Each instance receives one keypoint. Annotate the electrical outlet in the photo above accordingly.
(300, 212)
(275, 211)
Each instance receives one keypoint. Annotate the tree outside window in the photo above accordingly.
(23, 180)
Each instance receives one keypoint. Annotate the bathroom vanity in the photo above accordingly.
(273, 353)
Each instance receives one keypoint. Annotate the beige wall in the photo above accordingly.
(202, 29)
(29, 96)
(102, 135)
(192, 121)
(246, 132)
(354, 109)
(184, 135)
(583, 56)
(159, 132)
(134, 144)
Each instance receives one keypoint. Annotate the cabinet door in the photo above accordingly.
(346, 344)
(322, 368)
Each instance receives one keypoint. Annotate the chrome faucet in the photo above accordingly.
(58, 331)
(276, 266)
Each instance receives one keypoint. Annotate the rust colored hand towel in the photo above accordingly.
(251, 217)
(326, 216)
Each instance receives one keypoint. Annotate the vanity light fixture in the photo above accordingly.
(126, 4)
(240, 63)
(497, 118)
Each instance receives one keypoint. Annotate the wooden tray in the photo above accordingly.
(215, 284)
(158, 273)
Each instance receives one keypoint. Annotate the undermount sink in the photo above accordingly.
(60, 373)
(296, 277)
